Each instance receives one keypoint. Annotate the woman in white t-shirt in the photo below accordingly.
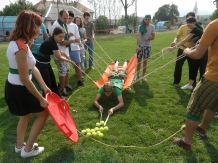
(21, 95)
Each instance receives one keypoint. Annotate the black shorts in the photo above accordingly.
(20, 101)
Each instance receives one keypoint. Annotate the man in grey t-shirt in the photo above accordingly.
(145, 35)
(89, 26)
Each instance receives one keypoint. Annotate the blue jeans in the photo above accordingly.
(90, 47)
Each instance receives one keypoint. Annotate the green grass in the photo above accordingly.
(153, 111)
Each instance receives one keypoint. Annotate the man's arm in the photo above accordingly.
(97, 97)
(151, 37)
(176, 39)
(195, 53)
(138, 40)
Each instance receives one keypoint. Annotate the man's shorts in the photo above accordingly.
(75, 56)
(63, 67)
(204, 96)
(144, 52)
(118, 74)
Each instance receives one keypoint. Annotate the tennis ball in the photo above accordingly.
(100, 134)
(92, 130)
(88, 130)
(96, 128)
(101, 128)
(98, 124)
(83, 131)
(105, 128)
(102, 123)
(94, 133)
(88, 134)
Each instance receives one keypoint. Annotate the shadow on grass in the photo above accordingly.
(191, 157)
(211, 150)
(184, 97)
(142, 93)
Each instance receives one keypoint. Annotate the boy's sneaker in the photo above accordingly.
(63, 92)
(144, 79)
(80, 83)
(33, 152)
(69, 88)
(187, 86)
(201, 131)
(136, 78)
(17, 150)
(216, 116)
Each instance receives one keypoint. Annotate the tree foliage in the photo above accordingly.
(167, 13)
(101, 22)
(15, 8)
(132, 20)
(214, 15)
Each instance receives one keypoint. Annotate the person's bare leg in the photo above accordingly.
(66, 79)
(190, 128)
(36, 128)
(144, 66)
(138, 66)
(21, 129)
(207, 118)
(62, 82)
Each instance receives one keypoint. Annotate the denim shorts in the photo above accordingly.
(75, 56)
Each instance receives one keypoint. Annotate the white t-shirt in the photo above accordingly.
(82, 30)
(64, 48)
(12, 49)
(73, 28)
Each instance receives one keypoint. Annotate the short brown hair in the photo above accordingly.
(58, 30)
(86, 14)
(26, 26)
(108, 87)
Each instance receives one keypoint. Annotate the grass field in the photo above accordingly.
(153, 111)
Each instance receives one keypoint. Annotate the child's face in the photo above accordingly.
(108, 93)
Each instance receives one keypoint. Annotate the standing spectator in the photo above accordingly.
(21, 95)
(49, 47)
(38, 40)
(181, 34)
(74, 47)
(146, 33)
(83, 39)
(63, 67)
(89, 26)
(194, 35)
(204, 97)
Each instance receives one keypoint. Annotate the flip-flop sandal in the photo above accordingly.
(180, 142)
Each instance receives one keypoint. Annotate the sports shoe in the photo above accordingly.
(17, 150)
(116, 61)
(187, 86)
(33, 152)
(69, 88)
(80, 83)
(176, 84)
(180, 142)
(136, 78)
(201, 131)
(144, 79)
(63, 92)
(216, 116)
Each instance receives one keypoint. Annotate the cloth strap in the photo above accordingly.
(66, 36)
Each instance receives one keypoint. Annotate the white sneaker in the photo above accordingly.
(17, 150)
(34, 152)
(136, 78)
(144, 79)
(187, 86)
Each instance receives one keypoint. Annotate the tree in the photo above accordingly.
(94, 5)
(101, 22)
(214, 15)
(126, 6)
(166, 13)
(115, 10)
(109, 6)
(15, 8)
